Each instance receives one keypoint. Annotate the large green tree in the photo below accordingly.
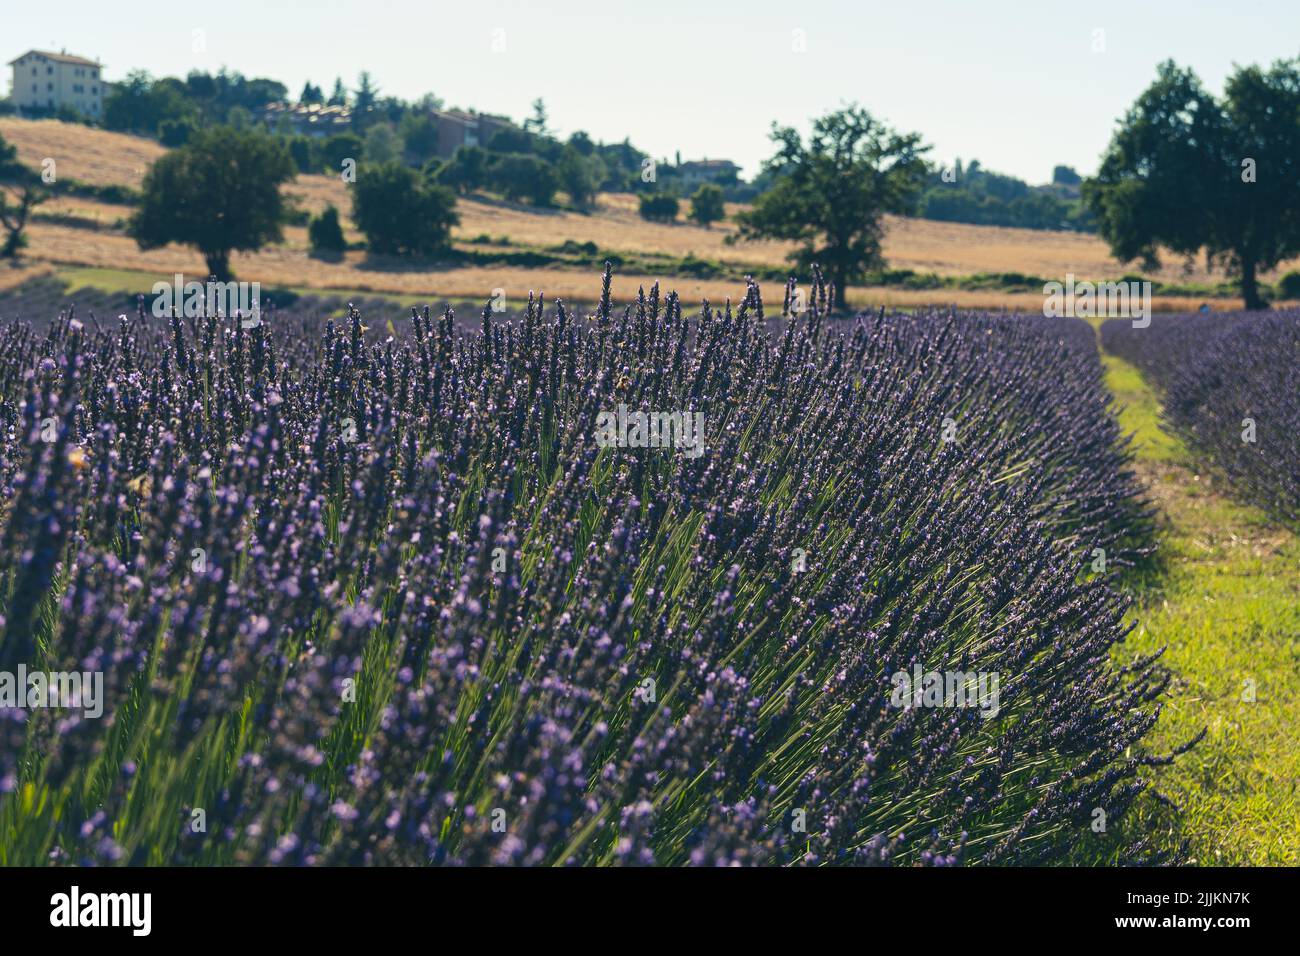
(467, 169)
(520, 176)
(830, 192)
(402, 213)
(1187, 172)
(220, 192)
(141, 104)
(580, 175)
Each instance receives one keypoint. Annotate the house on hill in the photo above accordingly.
(307, 119)
(44, 82)
(458, 128)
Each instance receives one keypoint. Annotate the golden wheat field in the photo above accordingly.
(76, 231)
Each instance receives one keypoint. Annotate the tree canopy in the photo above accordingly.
(220, 192)
(401, 212)
(708, 204)
(1187, 172)
(829, 193)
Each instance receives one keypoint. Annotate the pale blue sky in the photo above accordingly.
(1015, 84)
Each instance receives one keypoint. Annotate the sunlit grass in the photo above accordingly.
(1227, 606)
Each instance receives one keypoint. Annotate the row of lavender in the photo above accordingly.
(1231, 387)
(388, 599)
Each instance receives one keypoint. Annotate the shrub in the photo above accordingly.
(466, 171)
(659, 207)
(1288, 286)
(325, 233)
(708, 204)
(519, 176)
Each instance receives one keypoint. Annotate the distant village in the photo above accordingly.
(68, 86)
(529, 160)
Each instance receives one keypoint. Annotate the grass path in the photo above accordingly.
(1227, 605)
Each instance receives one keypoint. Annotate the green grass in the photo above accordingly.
(1227, 606)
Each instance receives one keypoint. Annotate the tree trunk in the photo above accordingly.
(219, 265)
(1250, 285)
(15, 225)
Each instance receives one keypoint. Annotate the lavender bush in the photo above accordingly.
(1231, 388)
(362, 597)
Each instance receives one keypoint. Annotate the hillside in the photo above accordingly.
(84, 232)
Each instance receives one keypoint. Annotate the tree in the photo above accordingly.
(363, 101)
(419, 132)
(141, 105)
(525, 177)
(175, 132)
(401, 213)
(1065, 176)
(201, 86)
(340, 95)
(537, 124)
(467, 170)
(335, 149)
(20, 193)
(1186, 172)
(303, 152)
(658, 207)
(830, 193)
(512, 140)
(324, 232)
(708, 204)
(580, 175)
(582, 143)
(382, 144)
(239, 118)
(311, 94)
(219, 192)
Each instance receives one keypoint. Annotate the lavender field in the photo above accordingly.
(1232, 387)
(370, 597)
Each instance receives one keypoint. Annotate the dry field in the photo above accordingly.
(83, 234)
(87, 155)
(14, 275)
(290, 265)
(921, 245)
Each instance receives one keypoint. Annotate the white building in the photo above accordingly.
(47, 81)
